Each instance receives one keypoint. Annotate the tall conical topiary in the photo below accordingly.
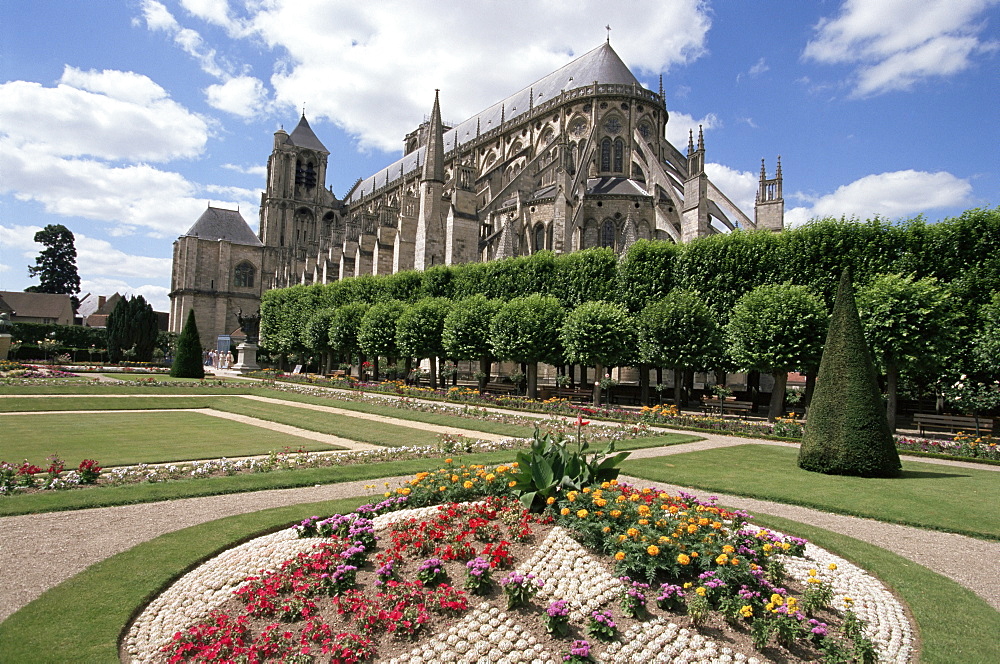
(187, 360)
(847, 432)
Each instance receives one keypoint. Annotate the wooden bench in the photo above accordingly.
(952, 423)
(573, 394)
(742, 408)
(501, 388)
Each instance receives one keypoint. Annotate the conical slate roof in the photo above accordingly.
(302, 136)
(434, 163)
(229, 225)
(601, 64)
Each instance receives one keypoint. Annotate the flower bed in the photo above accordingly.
(409, 580)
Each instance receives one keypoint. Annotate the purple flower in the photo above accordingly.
(558, 609)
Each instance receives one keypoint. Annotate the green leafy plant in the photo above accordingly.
(549, 466)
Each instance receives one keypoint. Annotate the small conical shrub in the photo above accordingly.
(847, 432)
(187, 360)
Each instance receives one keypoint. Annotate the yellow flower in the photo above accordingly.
(634, 498)
(683, 559)
(467, 484)
(653, 550)
(564, 511)
(767, 548)
(606, 529)
(728, 548)
(643, 510)
(848, 602)
(616, 513)
(571, 496)
(700, 590)
(746, 611)
(622, 538)
(490, 477)
(832, 566)
(812, 572)
(502, 469)
(694, 554)
(722, 559)
(387, 494)
(442, 488)
(688, 585)
(734, 562)
(600, 502)
(663, 539)
(586, 489)
(692, 529)
(643, 522)
(447, 460)
(632, 532)
(620, 555)
(582, 514)
(777, 599)
(454, 478)
(550, 500)
(512, 483)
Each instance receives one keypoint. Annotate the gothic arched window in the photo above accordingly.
(244, 275)
(619, 155)
(608, 233)
(606, 155)
(539, 238)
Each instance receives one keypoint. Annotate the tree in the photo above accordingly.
(777, 329)
(188, 359)
(526, 329)
(467, 333)
(907, 322)
(419, 330)
(132, 330)
(986, 349)
(316, 336)
(847, 432)
(646, 273)
(56, 264)
(377, 333)
(344, 326)
(679, 332)
(598, 334)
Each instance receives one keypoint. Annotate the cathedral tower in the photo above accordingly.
(769, 209)
(430, 238)
(694, 215)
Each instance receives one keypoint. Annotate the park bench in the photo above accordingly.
(501, 388)
(952, 423)
(742, 408)
(573, 394)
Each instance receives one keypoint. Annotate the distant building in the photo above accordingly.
(37, 307)
(577, 159)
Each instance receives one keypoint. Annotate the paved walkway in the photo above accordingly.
(36, 555)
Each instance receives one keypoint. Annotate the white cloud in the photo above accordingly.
(372, 67)
(244, 96)
(897, 43)
(739, 186)
(109, 114)
(259, 169)
(681, 126)
(157, 296)
(893, 195)
(759, 68)
(158, 18)
(213, 11)
(99, 257)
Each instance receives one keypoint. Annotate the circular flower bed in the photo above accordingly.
(609, 573)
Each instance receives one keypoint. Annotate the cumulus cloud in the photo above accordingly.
(739, 186)
(244, 96)
(893, 195)
(96, 256)
(157, 296)
(372, 68)
(257, 169)
(681, 125)
(158, 18)
(106, 114)
(894, 44)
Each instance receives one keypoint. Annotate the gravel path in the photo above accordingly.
(36, 556)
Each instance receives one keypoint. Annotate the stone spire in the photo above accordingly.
(701, 138)
(434, 159)
(690, 142)
(630, 233)
(505, 243)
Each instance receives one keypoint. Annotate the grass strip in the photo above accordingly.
(36, 404)
(81, 619)
(55, 501)
(948, 498)
(955, 625)
(117, 439)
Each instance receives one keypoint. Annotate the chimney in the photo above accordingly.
(101, 300)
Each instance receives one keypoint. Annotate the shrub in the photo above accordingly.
(188, 362)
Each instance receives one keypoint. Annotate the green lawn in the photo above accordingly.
(116, 439)
(958, 500)
(35, 404)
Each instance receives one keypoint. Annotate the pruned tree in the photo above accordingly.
(316, 336)
(679, 332)
(847, 432)
(467, 333)
(419, 330)
(598, 334)
(907, 322)
(132, 330)
(344, 327)
(188, 359)
(777, 329)
(377, 333)
(56, 264)
(526, 329)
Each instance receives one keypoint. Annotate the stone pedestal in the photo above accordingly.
(247, 358)
(5, 341)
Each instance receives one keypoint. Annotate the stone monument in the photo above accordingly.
(247, 351)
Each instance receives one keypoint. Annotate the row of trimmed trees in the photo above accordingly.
(925, 294)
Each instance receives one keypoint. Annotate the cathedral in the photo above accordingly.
(577, 159)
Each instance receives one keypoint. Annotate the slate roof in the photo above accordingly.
(615, 186)
(229, 225)
(302, 136)
(37, 305)
(601, 64)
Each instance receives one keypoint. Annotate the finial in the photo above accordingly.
(531, 98)
(763, 173)
(503, 113)
(477, 127)
(303, 109)
(701, 138)
(778, 172)
(661, 87)
(608, 28)
(690, 141)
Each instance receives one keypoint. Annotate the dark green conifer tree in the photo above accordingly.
(188, 359)
(847, 432)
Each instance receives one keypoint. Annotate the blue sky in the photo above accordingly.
(123, 119)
